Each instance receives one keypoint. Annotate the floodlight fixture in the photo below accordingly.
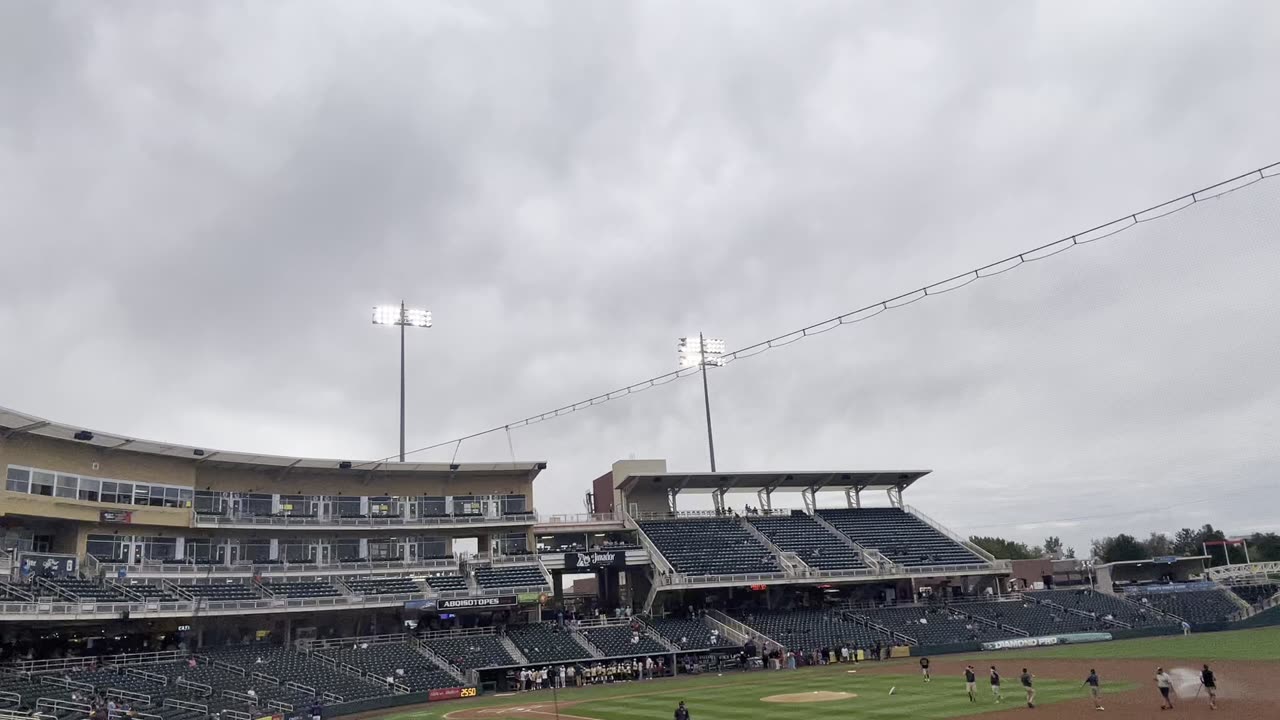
(697, 350)
(700, 351)
(403, 317)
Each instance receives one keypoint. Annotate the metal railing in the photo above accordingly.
(951, 535)
(266, 570)
(1242, 570)
(203, 520)
(198, 707)
(580, 518)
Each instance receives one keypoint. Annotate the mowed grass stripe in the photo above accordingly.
(1261, 644)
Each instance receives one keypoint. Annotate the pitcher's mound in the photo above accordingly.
(808, 697)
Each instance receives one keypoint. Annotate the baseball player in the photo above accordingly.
(1210, 684)
(1095, 691)
(924, 668)
(1165, 684)
(995, 683)
(1026, 679)
(970, 681)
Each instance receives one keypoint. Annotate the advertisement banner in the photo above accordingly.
(1174, 588)
(34, 565)
(452, 693)
(428, 604)
(115, 516)
(476, 603)
(1069, 639)
(531, 598)
(596, 560)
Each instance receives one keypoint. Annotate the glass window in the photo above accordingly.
(184, 498)
(348, 507)
(513, 504)
(124, 493)
(346, 550)
(466, 505)
(198, 549)
(19, 480)
(255, 504)
(67, 485)
(209, 502)
(161, 548)
(42, 483)
(141, 494)
(89, 489)
(434, 507)
(381, 506)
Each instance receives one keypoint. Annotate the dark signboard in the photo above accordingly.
(476, 603)
(428, 604)
(452, 693)
(596, 560)
(33, 565)
(115, 516)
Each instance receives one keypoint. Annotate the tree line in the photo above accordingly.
(1116, 548)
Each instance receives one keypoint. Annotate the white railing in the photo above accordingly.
(207, 607)
(1243, 570)
(954, 537)
(231, 714)
(248, 568)
(58, 706)
(580, 519)
(449, 667)
(153, 677)
(738, 628)
(386, 639)
(148, 658)
(128, 695)
(198, 707)
(202, 520)
(668, 515)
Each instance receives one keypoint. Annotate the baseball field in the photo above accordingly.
(1246, 663)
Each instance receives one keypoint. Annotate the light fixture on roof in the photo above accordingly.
(84, 435)
(700, 352)
(344, 465)
(404, 317)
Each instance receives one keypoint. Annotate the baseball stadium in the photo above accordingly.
(181, 583)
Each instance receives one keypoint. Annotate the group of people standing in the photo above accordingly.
(1164, 683)
(578, 675)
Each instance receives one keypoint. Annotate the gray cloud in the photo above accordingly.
(201, 204)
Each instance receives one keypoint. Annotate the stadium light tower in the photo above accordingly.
(404, 317)
(701, 351)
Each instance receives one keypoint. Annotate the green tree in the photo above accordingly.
(1123, 547)
(1069, 553)
(1158, 544)
(1004, 549)
(1053, 546)
(1264, 547)
(1186, 542)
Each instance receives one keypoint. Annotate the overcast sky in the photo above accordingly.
(200, 203)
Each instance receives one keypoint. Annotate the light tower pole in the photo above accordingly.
(404, 317)
(702, 351)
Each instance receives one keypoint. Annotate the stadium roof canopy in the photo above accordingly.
(839, 479)
(13, 422)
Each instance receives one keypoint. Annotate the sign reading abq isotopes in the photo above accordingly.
(468, 603)
(595, 560)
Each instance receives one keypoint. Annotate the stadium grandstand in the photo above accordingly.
(191, 581)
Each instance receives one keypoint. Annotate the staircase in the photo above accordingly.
(586, 644)
(790, 562)
(513, 650)
(454, 670)
(873, 558)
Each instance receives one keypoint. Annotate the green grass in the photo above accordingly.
(1262, 644)
(737, 695)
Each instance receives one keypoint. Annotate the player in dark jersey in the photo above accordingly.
(924, 668)
(995, 683)
(970, 680)
(1210, 684)
(1095, 690)
(1026, 679)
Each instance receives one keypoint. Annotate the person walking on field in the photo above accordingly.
(1095, 690)
(682, 712)
(924, 668)
(1210, 684)
(1165, 684)
(970, 680)
(995, 683)
(1026, 679)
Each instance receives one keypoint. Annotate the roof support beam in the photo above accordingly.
(6, 434)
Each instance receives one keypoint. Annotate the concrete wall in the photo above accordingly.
(646, 501)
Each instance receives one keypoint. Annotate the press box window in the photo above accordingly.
(18, 480)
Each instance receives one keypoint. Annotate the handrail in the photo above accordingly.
(66, 683)
(199, 687)
(282, 568)
(233, 714)
(434, 657)
(242, 697)
(430, 521)
(579, 518)
(280, 705)
(198, 707)
(268, 679)
(57, 705)
(971, 547)
(11, 697)
(128, 695)
(739, 627)
(153, 677)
